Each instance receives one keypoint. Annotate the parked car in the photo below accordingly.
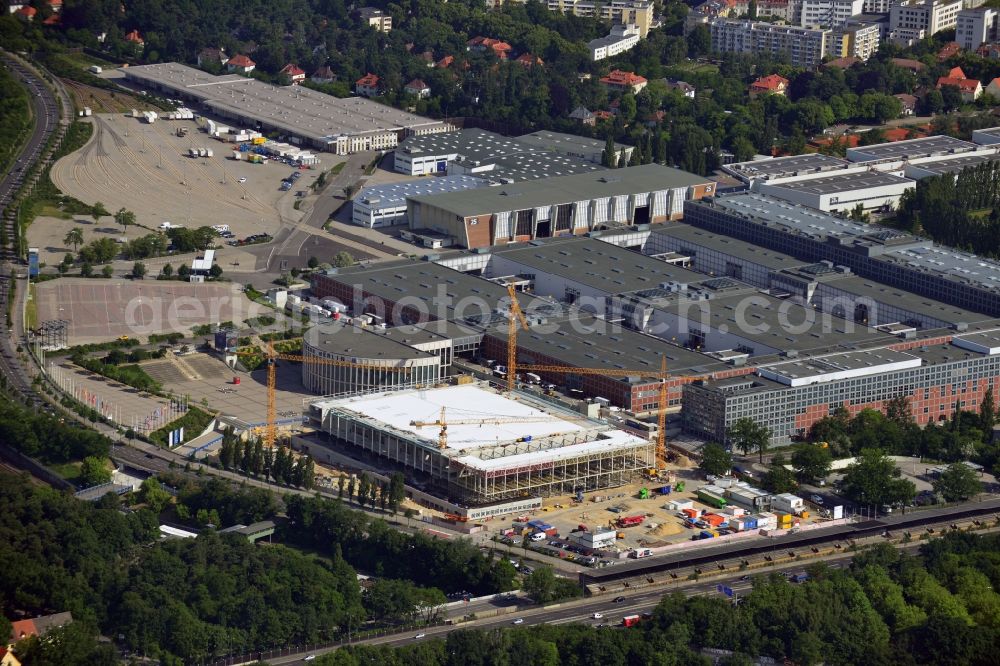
(519, 620)
(816, 499)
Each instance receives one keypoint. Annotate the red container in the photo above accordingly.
(236, 380)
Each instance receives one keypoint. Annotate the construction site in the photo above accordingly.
(481, 446)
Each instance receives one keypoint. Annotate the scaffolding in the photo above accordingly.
(590, 458)
(52, 334)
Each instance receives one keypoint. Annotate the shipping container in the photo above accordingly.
(714, 519)
(630, 521)
(710, 498)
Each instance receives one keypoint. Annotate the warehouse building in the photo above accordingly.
(409, 292)
(927, 168)
(341, 126)
(385, 205)
(494, 449)
(889, 256)
(823, 285)
(558, 206)
(584, 271)
(840, 192)
(898, 151)
(784, 167)
(541, 154)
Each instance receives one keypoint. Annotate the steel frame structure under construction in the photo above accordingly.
(595, 456)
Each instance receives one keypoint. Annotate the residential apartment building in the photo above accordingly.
(804, 47)
(912, 20)
(622, 38)
(856, 41)
(828, 13)
(975, 27)
(636, 12)
(376, 18)
(786, 10)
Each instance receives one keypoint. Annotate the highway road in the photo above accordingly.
(582, 610)
(46, 113)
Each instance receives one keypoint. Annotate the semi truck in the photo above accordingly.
(630, 620)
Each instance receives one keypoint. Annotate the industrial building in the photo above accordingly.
(887, 255)
(784, 167)
(919, 169)
(385, 205)
(480, 447)
(841, 191)
(341, 126)
(931, 146)
(788, 398)
(477, 151)
(380, 358)
(556, 206)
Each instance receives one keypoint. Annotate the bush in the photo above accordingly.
(194, 421)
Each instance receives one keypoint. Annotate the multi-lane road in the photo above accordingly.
(45, 109)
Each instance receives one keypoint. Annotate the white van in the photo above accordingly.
(538, 536)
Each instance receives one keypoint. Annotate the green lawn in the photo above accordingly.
(697, 67)
(337, 168)
(31, 309)
(69, 471)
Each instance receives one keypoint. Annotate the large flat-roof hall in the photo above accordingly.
(566, 205)
(341, 126)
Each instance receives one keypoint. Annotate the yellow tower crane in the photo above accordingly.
(443, 423)
(662, 375)
(515, 317)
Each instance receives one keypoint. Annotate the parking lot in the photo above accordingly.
(146, 168)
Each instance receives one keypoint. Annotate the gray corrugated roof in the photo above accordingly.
(565, 189)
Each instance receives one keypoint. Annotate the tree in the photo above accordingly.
(86, 270)
(364, 488)
(313, 262)
(138, 270)
(167, 270)
(152, 494)
(397, 490)
(74, 237)
(898, 410)
(812, 461)
(94, 471)
(748, 436)
(778, 478)
(987, 412)
(97, 211)
(874, 479)
(107, 271)
(622, 159)
(215, 271)
(608, 158)
(958, 483)
(343, 259)
(124, 217)
(184, 271)
(715, 459)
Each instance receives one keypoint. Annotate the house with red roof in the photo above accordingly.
(497, 47)
(910, 64)
(293, 74)
(240, 64)
(135, 38)
(368, 85)
(843, 63)
(418, 89)
(624, 81)
(971, 89)
(26, 12)
(772, 84)
(445, 62)
(53, 19)
(529, 60)
(22, 629)
(948, 50)
(55, 5)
